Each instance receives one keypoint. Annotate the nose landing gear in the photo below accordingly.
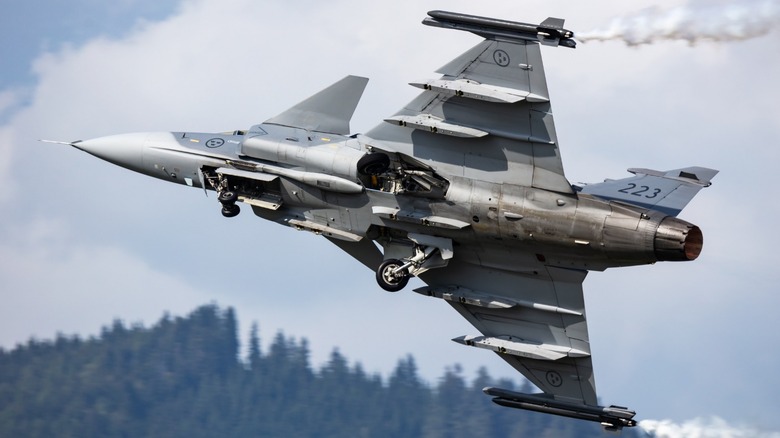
(227, 194)
(231, 210)
(227, 197)
(228, 200)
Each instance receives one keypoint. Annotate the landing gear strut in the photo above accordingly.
(226, 196)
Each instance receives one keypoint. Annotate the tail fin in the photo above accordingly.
(668, 191)
(329, 111)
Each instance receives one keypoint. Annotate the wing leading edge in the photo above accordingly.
(488, 117)
(534, 320)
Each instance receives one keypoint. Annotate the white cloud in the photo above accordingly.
(6, 159)
(52, 283)
(8, 99)
(713, 427)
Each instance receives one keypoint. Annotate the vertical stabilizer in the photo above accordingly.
(666, 191)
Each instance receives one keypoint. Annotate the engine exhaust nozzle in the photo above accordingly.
(677, 240)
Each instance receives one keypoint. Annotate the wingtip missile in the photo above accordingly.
(611, 417)
(549, 32)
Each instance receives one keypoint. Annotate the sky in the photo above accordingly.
(83, 242)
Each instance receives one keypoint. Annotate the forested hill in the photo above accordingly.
(183, 378)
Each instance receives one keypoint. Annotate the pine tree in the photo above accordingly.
(182, 377)
(253, 359)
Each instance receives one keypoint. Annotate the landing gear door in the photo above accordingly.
(444, 245)
(436, 251)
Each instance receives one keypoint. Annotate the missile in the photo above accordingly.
(323, 181)
(258, 171)
(611, 417)
(549, 32)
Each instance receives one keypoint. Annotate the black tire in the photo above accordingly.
(373, 164)
(228, 197)
(230, 210)
(388, 281)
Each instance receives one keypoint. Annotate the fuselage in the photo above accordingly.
(312, 181)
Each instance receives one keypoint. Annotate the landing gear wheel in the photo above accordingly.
(231, 210)
(373, 164)
(388, 279)
(228, 197)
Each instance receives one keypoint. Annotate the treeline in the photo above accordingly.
(183, 378)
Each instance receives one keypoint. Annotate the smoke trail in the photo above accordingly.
(701, 428)
(736, 22)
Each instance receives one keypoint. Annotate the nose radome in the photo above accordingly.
(124, 150)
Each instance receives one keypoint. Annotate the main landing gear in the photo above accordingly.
(393, 274)
(228, 200)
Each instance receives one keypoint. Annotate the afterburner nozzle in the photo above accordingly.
(677, 240)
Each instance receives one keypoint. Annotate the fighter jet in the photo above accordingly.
(462, 188)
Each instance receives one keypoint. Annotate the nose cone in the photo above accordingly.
(124, 150)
